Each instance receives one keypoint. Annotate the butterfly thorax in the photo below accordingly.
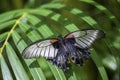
(62, 43)
(60, 38)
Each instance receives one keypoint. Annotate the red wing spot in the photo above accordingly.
(53, 40)
(70, 36)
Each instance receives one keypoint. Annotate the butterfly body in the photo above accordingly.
(74, 46)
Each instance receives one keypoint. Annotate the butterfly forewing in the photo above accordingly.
(41, 49)
(85, 38)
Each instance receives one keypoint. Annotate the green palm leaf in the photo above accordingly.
(20, 28)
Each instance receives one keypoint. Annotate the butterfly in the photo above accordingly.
(74, 47)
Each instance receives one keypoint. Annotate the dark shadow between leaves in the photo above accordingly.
(34, 64)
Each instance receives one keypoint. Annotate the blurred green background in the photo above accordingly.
(26, 21)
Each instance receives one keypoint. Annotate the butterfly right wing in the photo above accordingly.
(46, 48)
(79, 43)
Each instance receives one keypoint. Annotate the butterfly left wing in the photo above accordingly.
(50, 50)
(46, 48)
(85, 38)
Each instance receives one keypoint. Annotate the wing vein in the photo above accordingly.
(32, 52)
(83, 42)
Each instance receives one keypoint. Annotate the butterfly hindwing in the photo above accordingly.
(43, 48)
(61, 59)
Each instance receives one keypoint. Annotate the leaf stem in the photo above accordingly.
(10, 32)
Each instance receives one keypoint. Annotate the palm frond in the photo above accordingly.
(20, 28)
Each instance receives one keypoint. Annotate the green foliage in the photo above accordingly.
(20, 28)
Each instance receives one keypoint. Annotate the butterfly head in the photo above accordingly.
(60, 37)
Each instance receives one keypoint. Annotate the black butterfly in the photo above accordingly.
(60, 51)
